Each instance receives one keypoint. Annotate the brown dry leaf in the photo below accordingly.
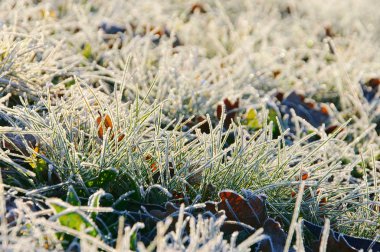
(231, 111)
(19, 143)
(170, 209)
(315, 114)
(152, 162)
(279, 96)
(371, 88)
(276, 73)
(105, 122)
(197, 8)
(251, 212)
(332, 129)
(229, 227)
(329, 32)
(304, 175)
(340, 242)
(205, 127)
(277, 237)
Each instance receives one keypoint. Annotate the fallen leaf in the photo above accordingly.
(87, 51)
(170, 209)
(250, 211)
(370, 88)
(197, 8)
(329, 31)
(111, 28)
(276, 73)
(286, 11)
(332, 129)
(279, 96)
(152, 162)
(104, 123)
(316, 115)
(230, 111)
(341, 242)
(205, 127)
(276, 237)
(252, 120)
(73, 219)
(17, 143)
(229, 227)
(304, 175)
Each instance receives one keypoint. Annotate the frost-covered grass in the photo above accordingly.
(59, 70)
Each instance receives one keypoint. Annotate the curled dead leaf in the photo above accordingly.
(104, 123)
(18, 143)
(251, 211)
(315, 114)
(340, 242)
(197, 8)
(230, 111)
(276, 237)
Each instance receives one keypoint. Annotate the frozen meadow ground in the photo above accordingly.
(154, 66)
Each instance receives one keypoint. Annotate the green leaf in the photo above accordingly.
(105, 178)
(157, 194)
(40, 167)
(74, 218)
(357, 172)
(133, 241)
(72, 197)
(252, 120)
(125, 183)
(94, 201)
(272, 115)
(91, 182)
(69, 83)
(125, 202)
(106, 200)
(87, 51)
